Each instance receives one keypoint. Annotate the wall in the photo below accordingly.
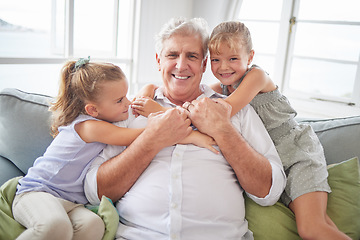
(154, 13)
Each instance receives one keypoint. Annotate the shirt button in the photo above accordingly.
(174, 205)
(174, 236)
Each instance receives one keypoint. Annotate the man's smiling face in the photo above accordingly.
(182, 65)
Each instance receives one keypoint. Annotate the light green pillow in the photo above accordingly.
(278, 221)
(110, 216)
(9, 228)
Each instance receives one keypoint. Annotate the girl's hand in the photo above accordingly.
(145, 105)
(201, 140)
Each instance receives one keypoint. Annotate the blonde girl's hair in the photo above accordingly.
(233, 33)
(78, 86)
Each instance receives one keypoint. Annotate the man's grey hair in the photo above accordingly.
(187, 27)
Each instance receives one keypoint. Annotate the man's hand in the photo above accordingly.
(116, 176)
(167, 128)
(210, 116)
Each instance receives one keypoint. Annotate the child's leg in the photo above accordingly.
(43, 216)
(311, 218)
(86, 224)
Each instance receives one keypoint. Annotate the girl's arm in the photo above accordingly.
(201, 140)
(105, 132)
(216, 87)
(143, 103)
(256, 81)
(147, 91)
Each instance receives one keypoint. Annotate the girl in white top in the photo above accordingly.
(49, 199)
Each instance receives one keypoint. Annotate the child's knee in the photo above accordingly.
(91, 228)
(55, 229)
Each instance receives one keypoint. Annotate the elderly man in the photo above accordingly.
(166, 190)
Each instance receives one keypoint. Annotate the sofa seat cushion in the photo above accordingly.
(278, 221)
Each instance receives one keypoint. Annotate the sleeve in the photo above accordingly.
(90, 182)
(255, 133)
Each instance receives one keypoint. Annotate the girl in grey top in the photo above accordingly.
(299, 148)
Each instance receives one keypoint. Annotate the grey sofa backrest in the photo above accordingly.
(24, 131)
(340, 137)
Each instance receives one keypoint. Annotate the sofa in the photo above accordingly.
(24, 136)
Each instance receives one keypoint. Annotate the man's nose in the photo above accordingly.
(181, 63)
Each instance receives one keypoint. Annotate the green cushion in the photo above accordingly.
(110, 216)
(278, 221)
(9, 228)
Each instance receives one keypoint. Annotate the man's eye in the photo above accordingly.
(214, 60)
(193, 56)
(171, 55)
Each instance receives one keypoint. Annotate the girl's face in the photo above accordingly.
(228, 65)
(113, 104)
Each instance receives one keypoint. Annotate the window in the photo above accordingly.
(263, 24)
(325, 47)
(38, 36)
(310, 48)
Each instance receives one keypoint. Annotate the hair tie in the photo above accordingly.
(81, 62)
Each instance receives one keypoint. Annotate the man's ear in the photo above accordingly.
(91, 110)
(158, 61)
(205, 64)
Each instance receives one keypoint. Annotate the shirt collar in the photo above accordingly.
(206, 92)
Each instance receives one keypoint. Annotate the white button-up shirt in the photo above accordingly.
(188, 192)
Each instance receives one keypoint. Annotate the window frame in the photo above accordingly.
(355, 99)
(285, 54)
(68, 52)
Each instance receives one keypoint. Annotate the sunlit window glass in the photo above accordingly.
(334, 10)
(263, 23)
(25, 28)
(37, 78)
(327, 78)
(261, 9)
(125, 30)
(326, 48)
(93, 27)
(331, 41)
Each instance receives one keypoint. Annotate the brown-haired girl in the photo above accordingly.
(49, 199)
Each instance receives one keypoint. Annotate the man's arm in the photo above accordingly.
(116, 176)
(252, 169)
